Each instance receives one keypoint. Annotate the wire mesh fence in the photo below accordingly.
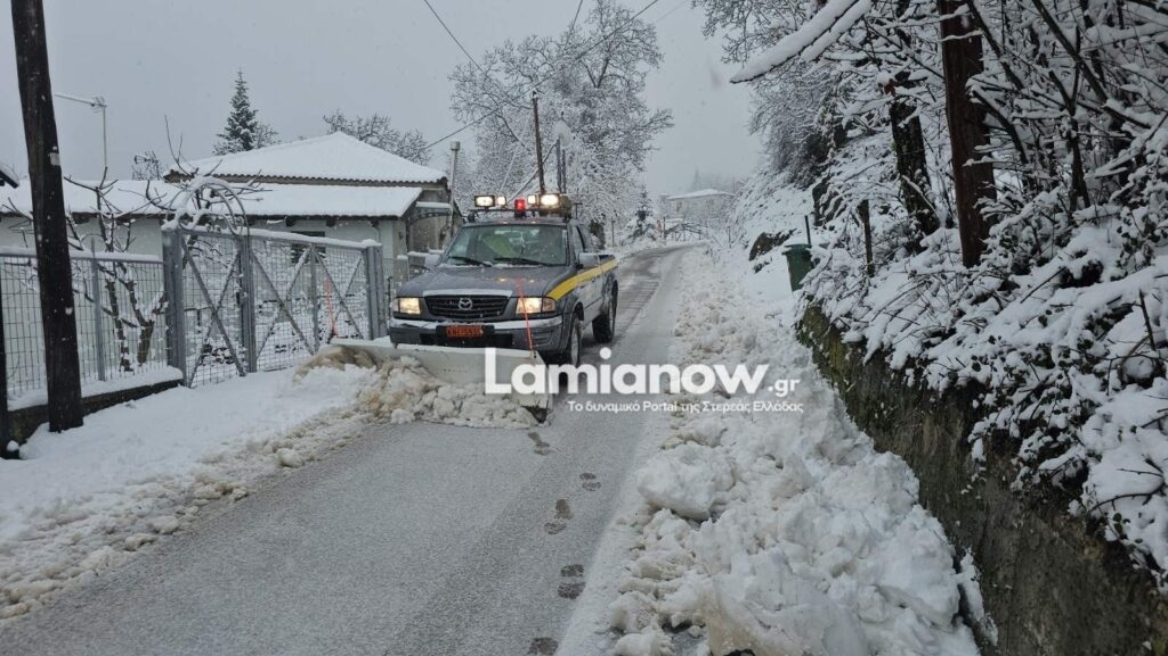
(244, 302)
(119, 308)
(253, 300)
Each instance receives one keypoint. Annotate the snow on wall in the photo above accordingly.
(1061, 328)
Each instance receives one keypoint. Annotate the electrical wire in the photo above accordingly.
(454, 38)
(515, 151)
(572, 25)
(671, 11)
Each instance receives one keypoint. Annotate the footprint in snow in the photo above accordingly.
(563, 510)
(543, 646)
(571, 589)
(590, 483)
(541, 448)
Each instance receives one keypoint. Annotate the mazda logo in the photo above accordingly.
(465, 303)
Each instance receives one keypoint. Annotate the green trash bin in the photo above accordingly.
(799, 263)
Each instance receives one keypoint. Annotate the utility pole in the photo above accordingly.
(454, 148)
(62, 368)
(559, 167)
(538, 142)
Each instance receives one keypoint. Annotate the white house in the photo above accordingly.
(706, 208)
(333, 186)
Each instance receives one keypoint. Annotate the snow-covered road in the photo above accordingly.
(417, 539)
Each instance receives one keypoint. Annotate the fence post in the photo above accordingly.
(4, 431)
(374, 291)
(247, 308)
(314, 296)
(98, 323)
(176, 324)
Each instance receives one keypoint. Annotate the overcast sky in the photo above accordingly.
(177, 60)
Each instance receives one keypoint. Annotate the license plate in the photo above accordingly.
(464, 332)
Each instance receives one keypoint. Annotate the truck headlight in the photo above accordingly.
(407, 305)
(535, 305)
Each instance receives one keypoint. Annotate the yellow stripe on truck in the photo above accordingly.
(563, 289)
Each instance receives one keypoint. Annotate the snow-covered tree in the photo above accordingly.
(1046, 123)
(244, 131)
(377, 130)
(591, 83)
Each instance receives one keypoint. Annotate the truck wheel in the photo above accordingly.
(604, 326)
(571, 353)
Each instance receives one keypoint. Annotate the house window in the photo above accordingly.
(297, 250)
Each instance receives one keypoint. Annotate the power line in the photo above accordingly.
(456, 41)
(671, 11)
(572, 25)
(545, 78)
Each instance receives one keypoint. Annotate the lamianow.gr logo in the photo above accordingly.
(632, 379)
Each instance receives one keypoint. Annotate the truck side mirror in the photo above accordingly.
(588, 260)
(432, 260)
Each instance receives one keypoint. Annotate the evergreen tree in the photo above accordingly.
(243, 131)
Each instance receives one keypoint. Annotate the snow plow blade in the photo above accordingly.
(460, 366)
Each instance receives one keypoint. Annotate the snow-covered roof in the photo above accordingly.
(134, 197)
(333, 157)
(703, 193)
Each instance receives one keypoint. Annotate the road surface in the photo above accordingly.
(415, 539)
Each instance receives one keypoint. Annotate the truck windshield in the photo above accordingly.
(509, 245)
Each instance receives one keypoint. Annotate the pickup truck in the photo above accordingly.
(524, 283)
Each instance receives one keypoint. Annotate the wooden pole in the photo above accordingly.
(538, 142)
(866, 222)
(559, 167)
(62, 367)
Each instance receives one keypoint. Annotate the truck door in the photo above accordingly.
(592, 291)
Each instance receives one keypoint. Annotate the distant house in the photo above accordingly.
(705, 208)
(8, 176)
(333, 186)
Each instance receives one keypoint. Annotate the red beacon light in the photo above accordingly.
(520, 207)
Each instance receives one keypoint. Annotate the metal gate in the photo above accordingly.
(247, 300)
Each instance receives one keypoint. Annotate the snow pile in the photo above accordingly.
(781, 533)
(84, 500)
(403, 392)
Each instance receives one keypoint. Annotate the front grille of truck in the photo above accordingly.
(455, 307)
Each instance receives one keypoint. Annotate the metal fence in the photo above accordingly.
(251, 300)
(120, 313)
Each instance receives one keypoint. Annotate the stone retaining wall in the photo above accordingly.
(1051, 584)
